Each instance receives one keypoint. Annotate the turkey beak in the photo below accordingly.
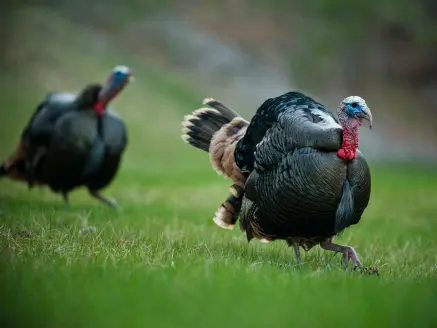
(367, 115)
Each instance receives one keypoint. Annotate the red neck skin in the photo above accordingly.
(100, 108)
(105, 97)
(348, 150)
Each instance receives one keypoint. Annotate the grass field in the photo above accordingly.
(161, 262)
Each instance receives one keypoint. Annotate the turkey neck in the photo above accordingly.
(107, 93)
(349, 145)
(100, 109)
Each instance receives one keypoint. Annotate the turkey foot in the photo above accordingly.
(108, 201)
(348, 253)
(296, 248)
(297, 253)
(65, 198)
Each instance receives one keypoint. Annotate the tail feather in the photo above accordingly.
(196, 143)
(196, 132)
(227, 214)
(213, 116)
(200, 127)
(217, 130)
(227, 112)
(192, 122)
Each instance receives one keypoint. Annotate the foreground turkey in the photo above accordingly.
(298, 174)
(73, 140)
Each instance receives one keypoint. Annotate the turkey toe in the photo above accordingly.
(297, 253)
(348, 253)
(108, 201)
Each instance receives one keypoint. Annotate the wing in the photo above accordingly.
(359, 178)
(284, 124)
(114, 133)
(40, 127)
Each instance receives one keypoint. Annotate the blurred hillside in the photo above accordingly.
(242, 52)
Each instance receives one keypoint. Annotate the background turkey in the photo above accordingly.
(73, 140)
(307, 181)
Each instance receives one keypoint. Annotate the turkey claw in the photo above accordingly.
(111, 202)
(350, 254)
(373, 271)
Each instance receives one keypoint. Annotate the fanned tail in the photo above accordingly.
(200, 126)
(227, 214)
(217, 130)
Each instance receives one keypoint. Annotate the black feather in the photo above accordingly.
(198, 143)
(228, 113)
(345, 211)
(266, 115)
(297, 185)
(202, 124)
(201, 127)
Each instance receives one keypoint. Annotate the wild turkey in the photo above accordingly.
(73, 140)
(306, 179)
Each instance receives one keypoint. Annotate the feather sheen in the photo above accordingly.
(298, 185)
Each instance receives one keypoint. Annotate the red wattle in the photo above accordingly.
(346, 154)
(99, 109)
(349, 147)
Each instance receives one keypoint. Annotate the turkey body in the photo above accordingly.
(298, 189)
(67, 145)
(79, 155)
(296, 170)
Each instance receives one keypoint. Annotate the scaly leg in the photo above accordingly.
(348, 252)
(65, 197)
(297, 253)
(106, 200)
(296, 248)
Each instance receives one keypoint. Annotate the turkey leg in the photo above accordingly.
(348, 252)
(297, 253)
(65, 197)
(296, 248)
(106, 200)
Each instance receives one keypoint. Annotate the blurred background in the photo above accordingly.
(237, 51)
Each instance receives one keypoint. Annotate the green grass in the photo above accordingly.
(162, 262)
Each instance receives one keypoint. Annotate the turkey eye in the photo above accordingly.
(354, 105)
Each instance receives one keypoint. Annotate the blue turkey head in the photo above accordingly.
(119, 78)
(356, 107)
(121, 75)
